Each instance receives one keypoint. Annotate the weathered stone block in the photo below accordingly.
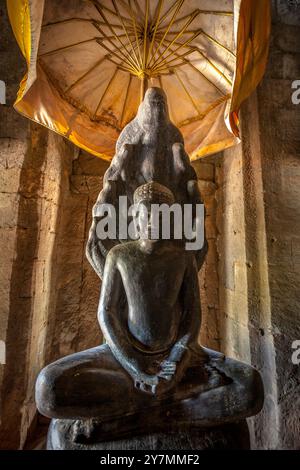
(9, 209)
(204, 171)
(207, 188)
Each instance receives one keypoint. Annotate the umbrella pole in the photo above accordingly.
(144, 86)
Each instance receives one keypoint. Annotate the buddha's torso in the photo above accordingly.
(152, 287)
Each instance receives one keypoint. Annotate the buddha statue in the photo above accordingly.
(151, 363)
(151, 374)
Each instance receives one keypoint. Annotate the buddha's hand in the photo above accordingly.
(167, 370)
(146, 383)
(173, 368)
(168, 376)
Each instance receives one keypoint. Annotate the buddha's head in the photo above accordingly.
(148, 199)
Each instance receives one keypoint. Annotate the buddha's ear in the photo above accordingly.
(137, 227)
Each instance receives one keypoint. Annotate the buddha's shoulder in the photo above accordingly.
(189, 257)
(123, 249)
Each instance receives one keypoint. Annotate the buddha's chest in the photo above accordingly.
(160, 279)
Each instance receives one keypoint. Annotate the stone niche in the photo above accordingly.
(249, 282)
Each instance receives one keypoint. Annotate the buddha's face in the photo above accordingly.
(148, 221)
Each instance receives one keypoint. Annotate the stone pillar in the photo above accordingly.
(30, 217)
(258, 221)
(49, 294)
(279, 125)
(77, 285)
(208, 275)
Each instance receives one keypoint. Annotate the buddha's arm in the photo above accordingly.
(174, 366)
(96, 250)
(111, 316)
(195, 198)
(189, 328)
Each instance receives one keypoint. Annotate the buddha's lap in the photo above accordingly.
(95, 376)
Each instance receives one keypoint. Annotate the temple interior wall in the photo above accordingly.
(250, 280)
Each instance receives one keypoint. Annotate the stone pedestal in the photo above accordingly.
(211, 415)
(228, 436)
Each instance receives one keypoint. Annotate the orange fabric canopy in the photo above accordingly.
(87, 62)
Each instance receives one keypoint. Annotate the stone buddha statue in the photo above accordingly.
(151, 345)
(152, 359)
(151, 374)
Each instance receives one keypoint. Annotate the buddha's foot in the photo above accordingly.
(82, 430)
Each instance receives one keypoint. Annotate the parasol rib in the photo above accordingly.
(109, 38)
(135, 29)
(205, 112)
(68, 47)
(204, 76)
(166, 63)
(95, 66)
(119, 49)
(157, 16)
(210, 12)
(128, 57)
(182, 18)
(122, 67)
(179, 5)
(125, 5)
(99, 62)
(181, 45)
(165, 66)
(68, 20)
(216, 103)
(188, 93)
(145, 56)
(168, 12)
(215, 67)
(130, 68)
(124, 28)
(126, 99)
(105, 91)
(187, 62)
(157, 13)
(179, 34)
(201, 53)
(95, 3)
(140, 11)
(216, 12)
(212, 39)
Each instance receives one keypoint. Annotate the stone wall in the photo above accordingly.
(49, 293)
(77, 285)
(13, 149)
(258, 242)
(208, 276)
(280, 172)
